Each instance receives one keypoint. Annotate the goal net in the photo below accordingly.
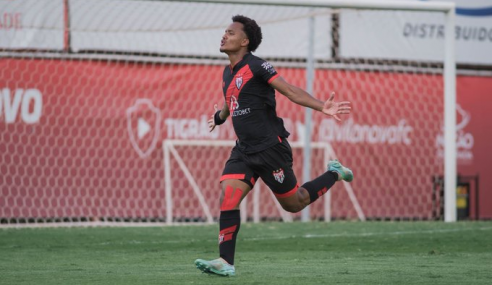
(104, 107)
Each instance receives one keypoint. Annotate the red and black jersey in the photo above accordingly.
(252, 104)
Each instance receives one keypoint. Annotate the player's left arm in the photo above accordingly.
(222, 116)
(301, 97)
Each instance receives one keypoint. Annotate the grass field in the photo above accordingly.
(270, 253)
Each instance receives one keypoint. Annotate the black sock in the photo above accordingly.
(229, 227)
(320, 185)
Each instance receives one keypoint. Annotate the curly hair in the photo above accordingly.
(251, 29)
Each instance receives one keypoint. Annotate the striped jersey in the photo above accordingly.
(252, 104)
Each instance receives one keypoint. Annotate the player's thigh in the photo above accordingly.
(236, 181)
(276, 171)
(236, 168)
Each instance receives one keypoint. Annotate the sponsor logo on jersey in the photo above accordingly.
(279, 175)
(234, 108)
(268, 67)
(234, 104)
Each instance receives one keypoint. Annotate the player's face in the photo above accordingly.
(234, 38)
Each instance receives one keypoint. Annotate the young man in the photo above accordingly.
(262, 150)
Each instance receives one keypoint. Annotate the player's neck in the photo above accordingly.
(234, 58)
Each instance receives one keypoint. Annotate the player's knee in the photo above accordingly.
(230, 199)
(297, 202)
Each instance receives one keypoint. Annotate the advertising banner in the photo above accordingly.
(86, 141)
(175, 28)
(474, 122)
(32, 24)
(418, 36)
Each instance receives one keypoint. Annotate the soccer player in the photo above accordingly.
(262, 150)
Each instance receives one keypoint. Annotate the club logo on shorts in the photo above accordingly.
(239, 82)
(279, 175)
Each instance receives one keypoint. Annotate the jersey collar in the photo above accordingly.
(239, 63)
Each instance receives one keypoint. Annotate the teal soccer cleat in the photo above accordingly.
(217, 266)
(344, 173)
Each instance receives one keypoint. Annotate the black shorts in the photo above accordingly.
(273, 165)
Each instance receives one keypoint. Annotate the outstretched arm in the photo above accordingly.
(301, 97)
(224, 113)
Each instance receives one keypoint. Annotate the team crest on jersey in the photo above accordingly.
(279, 175)
(239, 82)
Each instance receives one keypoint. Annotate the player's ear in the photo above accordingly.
(245, 42)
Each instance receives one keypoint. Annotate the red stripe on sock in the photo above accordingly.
(322, 192)
(226, 234)
(228, 230)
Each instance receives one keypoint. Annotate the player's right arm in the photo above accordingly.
(219, 117)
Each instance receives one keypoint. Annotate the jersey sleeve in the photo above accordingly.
(264, 70)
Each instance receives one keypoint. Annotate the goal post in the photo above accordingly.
(449, 74)
(104, 107)
(174, 149)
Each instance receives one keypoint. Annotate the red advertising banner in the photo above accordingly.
(474, 137)
(84, 139)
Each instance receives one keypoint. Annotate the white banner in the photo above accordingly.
(390, 35)
(418, 36)
(474, 31)
(195, 29)
(31, 24)
(190, 28)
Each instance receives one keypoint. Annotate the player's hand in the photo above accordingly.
(211, 122)
(334, 109)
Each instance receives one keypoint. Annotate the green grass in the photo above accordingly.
(270, 253)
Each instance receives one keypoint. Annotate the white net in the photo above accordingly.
(91, 90)
(259, 206)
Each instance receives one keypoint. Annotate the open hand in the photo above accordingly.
(211, 122)
(333, 108)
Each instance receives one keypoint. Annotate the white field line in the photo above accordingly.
(307, 236)
(368, 234)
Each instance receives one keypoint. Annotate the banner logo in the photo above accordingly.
(464, 140)
(143, 125)
(13, 102)
(350, 131)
